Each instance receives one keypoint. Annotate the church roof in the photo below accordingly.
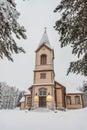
(27, 93)
(44, 40)
(73, 91)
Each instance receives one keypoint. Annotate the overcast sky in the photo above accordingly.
(35, 15)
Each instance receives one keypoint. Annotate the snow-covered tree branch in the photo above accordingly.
(9, 26)
(9, 96)
(72, 27)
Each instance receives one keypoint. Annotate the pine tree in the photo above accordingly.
(21, 94)
(9, 26)
(72, 27)
(84, 90)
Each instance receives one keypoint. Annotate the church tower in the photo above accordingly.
(43, 85)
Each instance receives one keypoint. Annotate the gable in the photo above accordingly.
(45, 50)
(58, 85)
(44, 46)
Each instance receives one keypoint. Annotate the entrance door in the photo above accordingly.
(42, 101)
(42, 97)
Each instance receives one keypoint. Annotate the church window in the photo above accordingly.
(42, 92)
(68, 100)
(43, 76)
(43, 60)
(77, 100)
(28, 101)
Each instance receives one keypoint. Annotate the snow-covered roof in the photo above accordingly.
(22, 99)
(27, 93)
(43, 84)
(72, 91)
(44, 40)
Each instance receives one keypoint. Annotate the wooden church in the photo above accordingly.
(45, 92)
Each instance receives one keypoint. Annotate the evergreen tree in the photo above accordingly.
(21, 94)
(9, 26)
(72, 27)
(84, 90)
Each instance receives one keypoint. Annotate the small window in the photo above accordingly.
(68, 100)
(77, 100)
(43, 60)
(43, 76)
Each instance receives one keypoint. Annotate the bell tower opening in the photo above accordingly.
(43, 60)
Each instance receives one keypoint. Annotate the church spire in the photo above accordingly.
(45, 29)
(44, 39)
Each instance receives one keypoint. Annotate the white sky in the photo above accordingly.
(35, 15)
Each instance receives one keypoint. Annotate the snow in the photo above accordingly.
(7, 9)
(31, 120)
(43, 84)
(22, 99)
(27, 93)
(73, 91)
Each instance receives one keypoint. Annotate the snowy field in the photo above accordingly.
(31, 120)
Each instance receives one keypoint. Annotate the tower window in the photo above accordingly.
(43, 76)
(43, 59)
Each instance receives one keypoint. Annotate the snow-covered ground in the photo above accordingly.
(32, 120)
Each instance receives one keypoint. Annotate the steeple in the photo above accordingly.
(44, 40)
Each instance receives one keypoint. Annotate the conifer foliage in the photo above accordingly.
(72, 27)
(9, 26)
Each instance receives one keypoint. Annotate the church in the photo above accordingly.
(45, 92)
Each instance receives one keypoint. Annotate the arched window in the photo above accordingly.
(68, 100)
(77, 100)
(42, 92)
(43, 59)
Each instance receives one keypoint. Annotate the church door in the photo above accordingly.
(42, 98)
(42, 101)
